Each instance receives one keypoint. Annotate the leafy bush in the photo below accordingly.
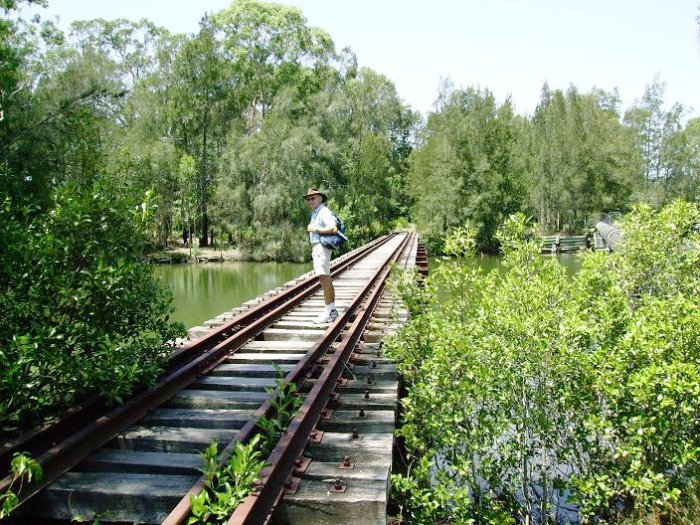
(84, 313)
(643, 323)
(534, 382)
(226, 487)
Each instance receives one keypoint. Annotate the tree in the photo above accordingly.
(268, 45)
(581, 160)
(646, 119)
(131, 45)
(682, 160)
(477, 153)
(655, 131)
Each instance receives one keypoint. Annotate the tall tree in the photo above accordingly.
(581, 160)
(268, 45)
(647, 120)
(681, 159)
(655, 131)
(203, 110)
(476, 146)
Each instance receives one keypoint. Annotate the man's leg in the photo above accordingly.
(322, 268)
(328, 288)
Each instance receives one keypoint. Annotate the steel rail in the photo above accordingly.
(35, 440)
(182, 510)
(69, 451)
(257, 507)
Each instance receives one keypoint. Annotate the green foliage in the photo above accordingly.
(581, 159)
(527, 375)
(84, 312)
(284, 406)
(265, 107)
(470, 166)
(225, 488)
(24, 469)
(645, 349)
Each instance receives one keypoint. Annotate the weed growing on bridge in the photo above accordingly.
(227, 485)
(25, 469)
(284, 406)
(524, 382)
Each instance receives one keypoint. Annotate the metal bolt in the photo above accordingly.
(346, 461)
(366, 394)
(374, 364)
(355, 435)
(362, 414)
(369, 380)
(338, 484)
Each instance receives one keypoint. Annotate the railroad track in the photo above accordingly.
(139, 462)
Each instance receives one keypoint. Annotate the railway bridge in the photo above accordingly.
(142, 462)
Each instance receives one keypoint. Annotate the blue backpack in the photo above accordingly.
(337, 239)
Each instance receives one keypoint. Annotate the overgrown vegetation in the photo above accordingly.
(535, 382)
(227, 485)
(82, 312)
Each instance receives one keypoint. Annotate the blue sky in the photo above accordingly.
(510, 47)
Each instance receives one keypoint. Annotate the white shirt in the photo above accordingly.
(321, 218)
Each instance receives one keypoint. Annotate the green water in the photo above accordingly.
(203, 291)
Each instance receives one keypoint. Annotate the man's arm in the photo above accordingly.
(326, 218)
(323, 231)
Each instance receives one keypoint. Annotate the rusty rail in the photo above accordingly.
(62, 447)
(256, 508)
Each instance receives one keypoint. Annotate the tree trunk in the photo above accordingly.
(204, 227)
(204, 183)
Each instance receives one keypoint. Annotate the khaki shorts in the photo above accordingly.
(321, 257)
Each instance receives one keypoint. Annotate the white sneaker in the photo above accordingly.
(327, 318)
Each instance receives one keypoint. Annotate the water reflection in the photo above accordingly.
(203, 291)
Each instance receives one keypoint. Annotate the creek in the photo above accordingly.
(203, 291)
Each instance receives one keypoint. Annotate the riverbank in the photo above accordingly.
(183, 254)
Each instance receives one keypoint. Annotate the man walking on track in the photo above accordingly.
(322, 223)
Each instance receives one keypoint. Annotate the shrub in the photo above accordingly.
(525, 382)
(84, 313)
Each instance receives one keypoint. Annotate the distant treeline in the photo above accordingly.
(217, 135)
